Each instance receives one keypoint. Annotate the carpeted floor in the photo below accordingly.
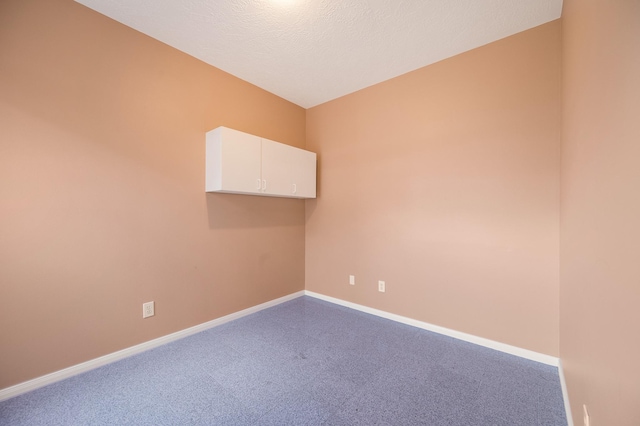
(304, 362)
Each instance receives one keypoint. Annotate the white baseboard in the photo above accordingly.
(74, 370)
(502, 347)
(565, 395)
(39, 382)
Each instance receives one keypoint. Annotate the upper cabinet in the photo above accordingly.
(240, 163)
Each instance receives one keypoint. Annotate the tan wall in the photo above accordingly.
(600, 232)
(102, 202)
(444, 182)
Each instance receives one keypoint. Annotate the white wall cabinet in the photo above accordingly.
(240, 163)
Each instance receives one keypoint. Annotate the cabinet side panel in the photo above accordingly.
(213, 161)
(306, 175)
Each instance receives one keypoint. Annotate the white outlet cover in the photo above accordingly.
(352, 279)
(381, 286)
(148, 309)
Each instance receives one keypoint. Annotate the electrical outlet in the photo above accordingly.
(585, 412)
(352, 279)
(148, 310)
(381, 286)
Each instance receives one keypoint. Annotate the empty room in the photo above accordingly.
(320, 212)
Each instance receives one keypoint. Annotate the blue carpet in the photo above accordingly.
(304, 362)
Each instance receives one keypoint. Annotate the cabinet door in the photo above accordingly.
(277, 169)
(234, 160)
(288, 171)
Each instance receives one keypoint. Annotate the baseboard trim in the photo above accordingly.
(74, 370)
(502, 347)
(565, 395)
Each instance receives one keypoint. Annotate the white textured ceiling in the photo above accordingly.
(312, 51)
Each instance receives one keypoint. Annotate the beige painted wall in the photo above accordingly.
(444, 182)
(600, 231)
(102, 202)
